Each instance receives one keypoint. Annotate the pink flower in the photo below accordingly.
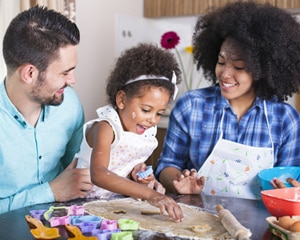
(169, 40)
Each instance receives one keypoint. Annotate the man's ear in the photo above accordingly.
(28, 73)
(121, 99)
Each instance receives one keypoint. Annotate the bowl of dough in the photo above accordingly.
(282, 201)
(281, 173)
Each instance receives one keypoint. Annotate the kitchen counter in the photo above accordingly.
(250, 213)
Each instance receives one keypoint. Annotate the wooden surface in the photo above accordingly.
(168, 8)
(250, 213)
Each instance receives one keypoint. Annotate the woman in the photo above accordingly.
(225, 134)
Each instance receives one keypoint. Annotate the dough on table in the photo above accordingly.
(130, 208)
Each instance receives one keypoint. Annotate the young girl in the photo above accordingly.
(121, 139)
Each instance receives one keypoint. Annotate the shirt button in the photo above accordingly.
(16, 117)
(40, 157)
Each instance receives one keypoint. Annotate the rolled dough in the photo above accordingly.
(130, 208)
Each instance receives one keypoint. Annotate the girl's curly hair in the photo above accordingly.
(143, 59)
(269, 38)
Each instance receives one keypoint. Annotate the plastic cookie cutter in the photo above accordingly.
(74, 233)
(109, 225)
(128, 224)
(122, 236)
(38, 214)
(86, 223)
(76, 210)
(39, 231)
(145, 173)
(56, 221)
(104, 234)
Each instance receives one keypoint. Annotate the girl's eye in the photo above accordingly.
(221, 63)
(159, 114)
(145, 110)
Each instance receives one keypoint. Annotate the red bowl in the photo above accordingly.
(282, 202)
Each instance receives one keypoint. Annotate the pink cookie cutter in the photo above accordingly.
(109, 225)
(76, 210)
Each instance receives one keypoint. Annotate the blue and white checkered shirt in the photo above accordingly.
(194, 129)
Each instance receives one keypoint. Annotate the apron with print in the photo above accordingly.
(231, 169)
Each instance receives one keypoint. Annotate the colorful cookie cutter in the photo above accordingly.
(104, 234)
(109, 225)
(145, 173)
(86, 223)
(38, 214)
(39, 231)
(58, 221)
(128, 224)
(74, 233)
(76, 210)
(48, 213)
(122, 236)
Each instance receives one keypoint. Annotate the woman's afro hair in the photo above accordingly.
(269, 38)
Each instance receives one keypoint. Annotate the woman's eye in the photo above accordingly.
(240, 68)
(221, 63)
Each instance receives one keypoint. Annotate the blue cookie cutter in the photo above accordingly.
(38, 214)
(86, 223)
(145, 173)
(104, 234)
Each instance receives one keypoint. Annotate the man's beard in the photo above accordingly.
(45, 100)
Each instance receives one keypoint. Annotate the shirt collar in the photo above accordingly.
(10, 108)
(224, 103)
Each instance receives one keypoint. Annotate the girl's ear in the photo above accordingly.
(121, 99)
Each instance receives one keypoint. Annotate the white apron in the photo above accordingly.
(231, 169)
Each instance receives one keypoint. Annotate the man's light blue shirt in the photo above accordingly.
(31, 157)
(194, 129)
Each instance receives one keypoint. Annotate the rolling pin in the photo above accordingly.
(232, 225)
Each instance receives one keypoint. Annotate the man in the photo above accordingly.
(41, 117)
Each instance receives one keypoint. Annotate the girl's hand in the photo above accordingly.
(156, 185)
(136, 169)
(167, 204)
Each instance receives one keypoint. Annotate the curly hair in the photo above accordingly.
(143, 59)
(269, 38)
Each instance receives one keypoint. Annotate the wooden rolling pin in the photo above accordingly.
(232, 225)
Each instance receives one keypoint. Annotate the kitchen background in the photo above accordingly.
(107, 28)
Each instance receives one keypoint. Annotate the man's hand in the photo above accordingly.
(72, 183)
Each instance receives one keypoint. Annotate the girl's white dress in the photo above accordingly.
(127, 150)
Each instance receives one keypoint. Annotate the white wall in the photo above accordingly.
(96, 20)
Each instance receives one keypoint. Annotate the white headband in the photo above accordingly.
(149, 77)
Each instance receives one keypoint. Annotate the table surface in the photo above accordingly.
(250, 213)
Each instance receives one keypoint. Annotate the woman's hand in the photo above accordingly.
(276, 183)
(188, 182)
